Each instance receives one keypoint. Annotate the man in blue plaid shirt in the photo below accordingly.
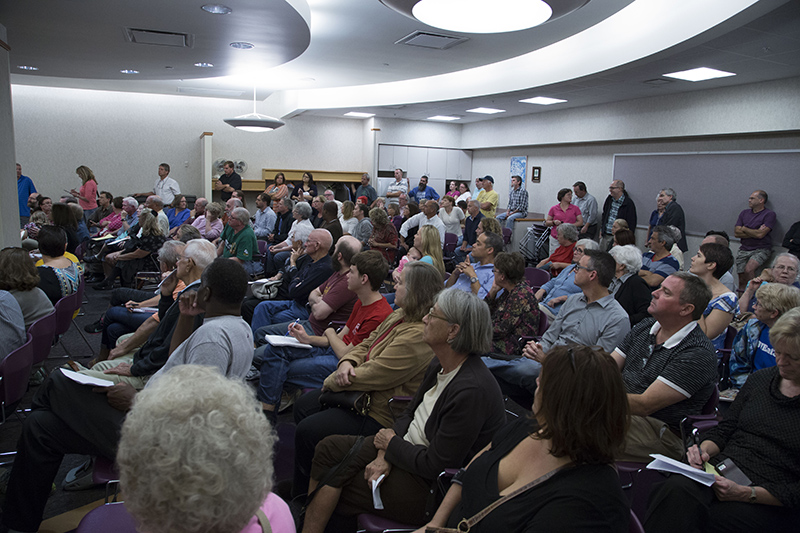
(517, 203)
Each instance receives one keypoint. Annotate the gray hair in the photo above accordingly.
(202, 202)
(194, 426)
(778, 297)
(588, 244)
(157, 201)
(472, 315)
(201, 251)
(188, 232)
(567, 231)
(169, 253)
(786, 331)
(628, 255)
(235, 202)
(241, 214)
(288, 203)
(793, 257)
(303, 209)
(132, 201)
(669, 192)
(215, 209)
(665, 235)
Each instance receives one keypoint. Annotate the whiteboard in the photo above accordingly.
(713, 187)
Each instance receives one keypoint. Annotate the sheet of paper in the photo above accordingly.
(87, 380)
(664, 463)
(282, 340)
(376, 492)
(145, 310)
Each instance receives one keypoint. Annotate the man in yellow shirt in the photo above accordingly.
(488, 197)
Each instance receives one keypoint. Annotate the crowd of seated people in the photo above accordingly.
(357, 301)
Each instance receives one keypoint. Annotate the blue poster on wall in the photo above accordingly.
(518, 168)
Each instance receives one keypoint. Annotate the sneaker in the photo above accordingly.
(94, 327)
(253, 374)
(80, 477)
(288, 399)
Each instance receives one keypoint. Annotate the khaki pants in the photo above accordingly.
(96, 371)
(648, 435)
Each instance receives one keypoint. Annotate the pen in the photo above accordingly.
(293, 324)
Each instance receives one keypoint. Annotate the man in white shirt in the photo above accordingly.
(427, 217)
(165, 187)
(156, 204)
(588, 206)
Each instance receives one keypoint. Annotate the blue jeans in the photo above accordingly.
(511, 219)
(117, 322)
(515, 376)
(271, 312)
(300, 367)
(275, 262)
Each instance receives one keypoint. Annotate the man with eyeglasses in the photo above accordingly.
(592, 317)
(618, 204)
(330, 197)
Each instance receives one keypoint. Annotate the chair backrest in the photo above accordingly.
(450, 241)
(730, 335)
(43, 331)
(543, 324)
(15, 371)
(110, 517)
(262, 247)
(710, 407)
(536, 277)
(507, 235)
(65, 308)
(79, 251)
(635, 526)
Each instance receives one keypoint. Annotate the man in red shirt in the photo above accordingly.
(303, 367)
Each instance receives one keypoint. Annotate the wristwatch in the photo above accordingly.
(752, 495)
(473, 279)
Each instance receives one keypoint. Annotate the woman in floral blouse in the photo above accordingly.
(515, 313)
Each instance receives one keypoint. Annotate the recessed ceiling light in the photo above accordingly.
(542, 100)
(27, 67)
(358, 114)
(479, 16)
(217, 9)
(699, 74)
(204, 65)
(129, 71)
(486, 110)
(444, 118)
(242, 45)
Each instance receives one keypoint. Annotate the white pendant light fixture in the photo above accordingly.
(254, 122)
(482, 16)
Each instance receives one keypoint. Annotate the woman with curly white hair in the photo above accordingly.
(196, 455)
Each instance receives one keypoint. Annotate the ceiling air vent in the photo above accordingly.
(426, 39)
(159, 38)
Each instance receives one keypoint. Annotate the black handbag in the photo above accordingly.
(357, 401)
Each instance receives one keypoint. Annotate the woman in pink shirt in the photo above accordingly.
(87, 194)
(562, 213)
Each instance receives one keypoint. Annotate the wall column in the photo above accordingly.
(9, 214)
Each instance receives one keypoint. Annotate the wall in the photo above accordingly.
(9, 216)
(124, 136)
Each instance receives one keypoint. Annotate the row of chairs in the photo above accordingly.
(42, 335)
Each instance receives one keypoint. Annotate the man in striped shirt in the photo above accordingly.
(669, 368)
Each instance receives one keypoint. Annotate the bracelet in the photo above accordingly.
(457, 478)
(752, 495)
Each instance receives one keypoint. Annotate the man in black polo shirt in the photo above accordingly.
(669, 368)
(228, 181)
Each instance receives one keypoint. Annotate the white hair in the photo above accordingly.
(628, 255)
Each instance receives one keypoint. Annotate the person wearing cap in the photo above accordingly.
(488, 197)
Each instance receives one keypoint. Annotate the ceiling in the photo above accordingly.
(326, 57)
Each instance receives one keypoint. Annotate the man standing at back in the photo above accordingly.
(753, 227)
(25, 188)
(617, 205)
(422, 192)
(488, 197)
(365, 189)
(165, 187)
(400, 186)
(228, 181)
(588, 206)
(673, 216)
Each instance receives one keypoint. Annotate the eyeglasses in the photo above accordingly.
(581, 267)
(434, 315)
(785, 267)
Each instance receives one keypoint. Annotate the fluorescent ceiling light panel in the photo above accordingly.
(358, 114)
(444, 118)
(204, 65)
(129, 71)
(486, 110)
(217, 9)
(699, 74)
(27, 67)
(480, 16)
(542, 100)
